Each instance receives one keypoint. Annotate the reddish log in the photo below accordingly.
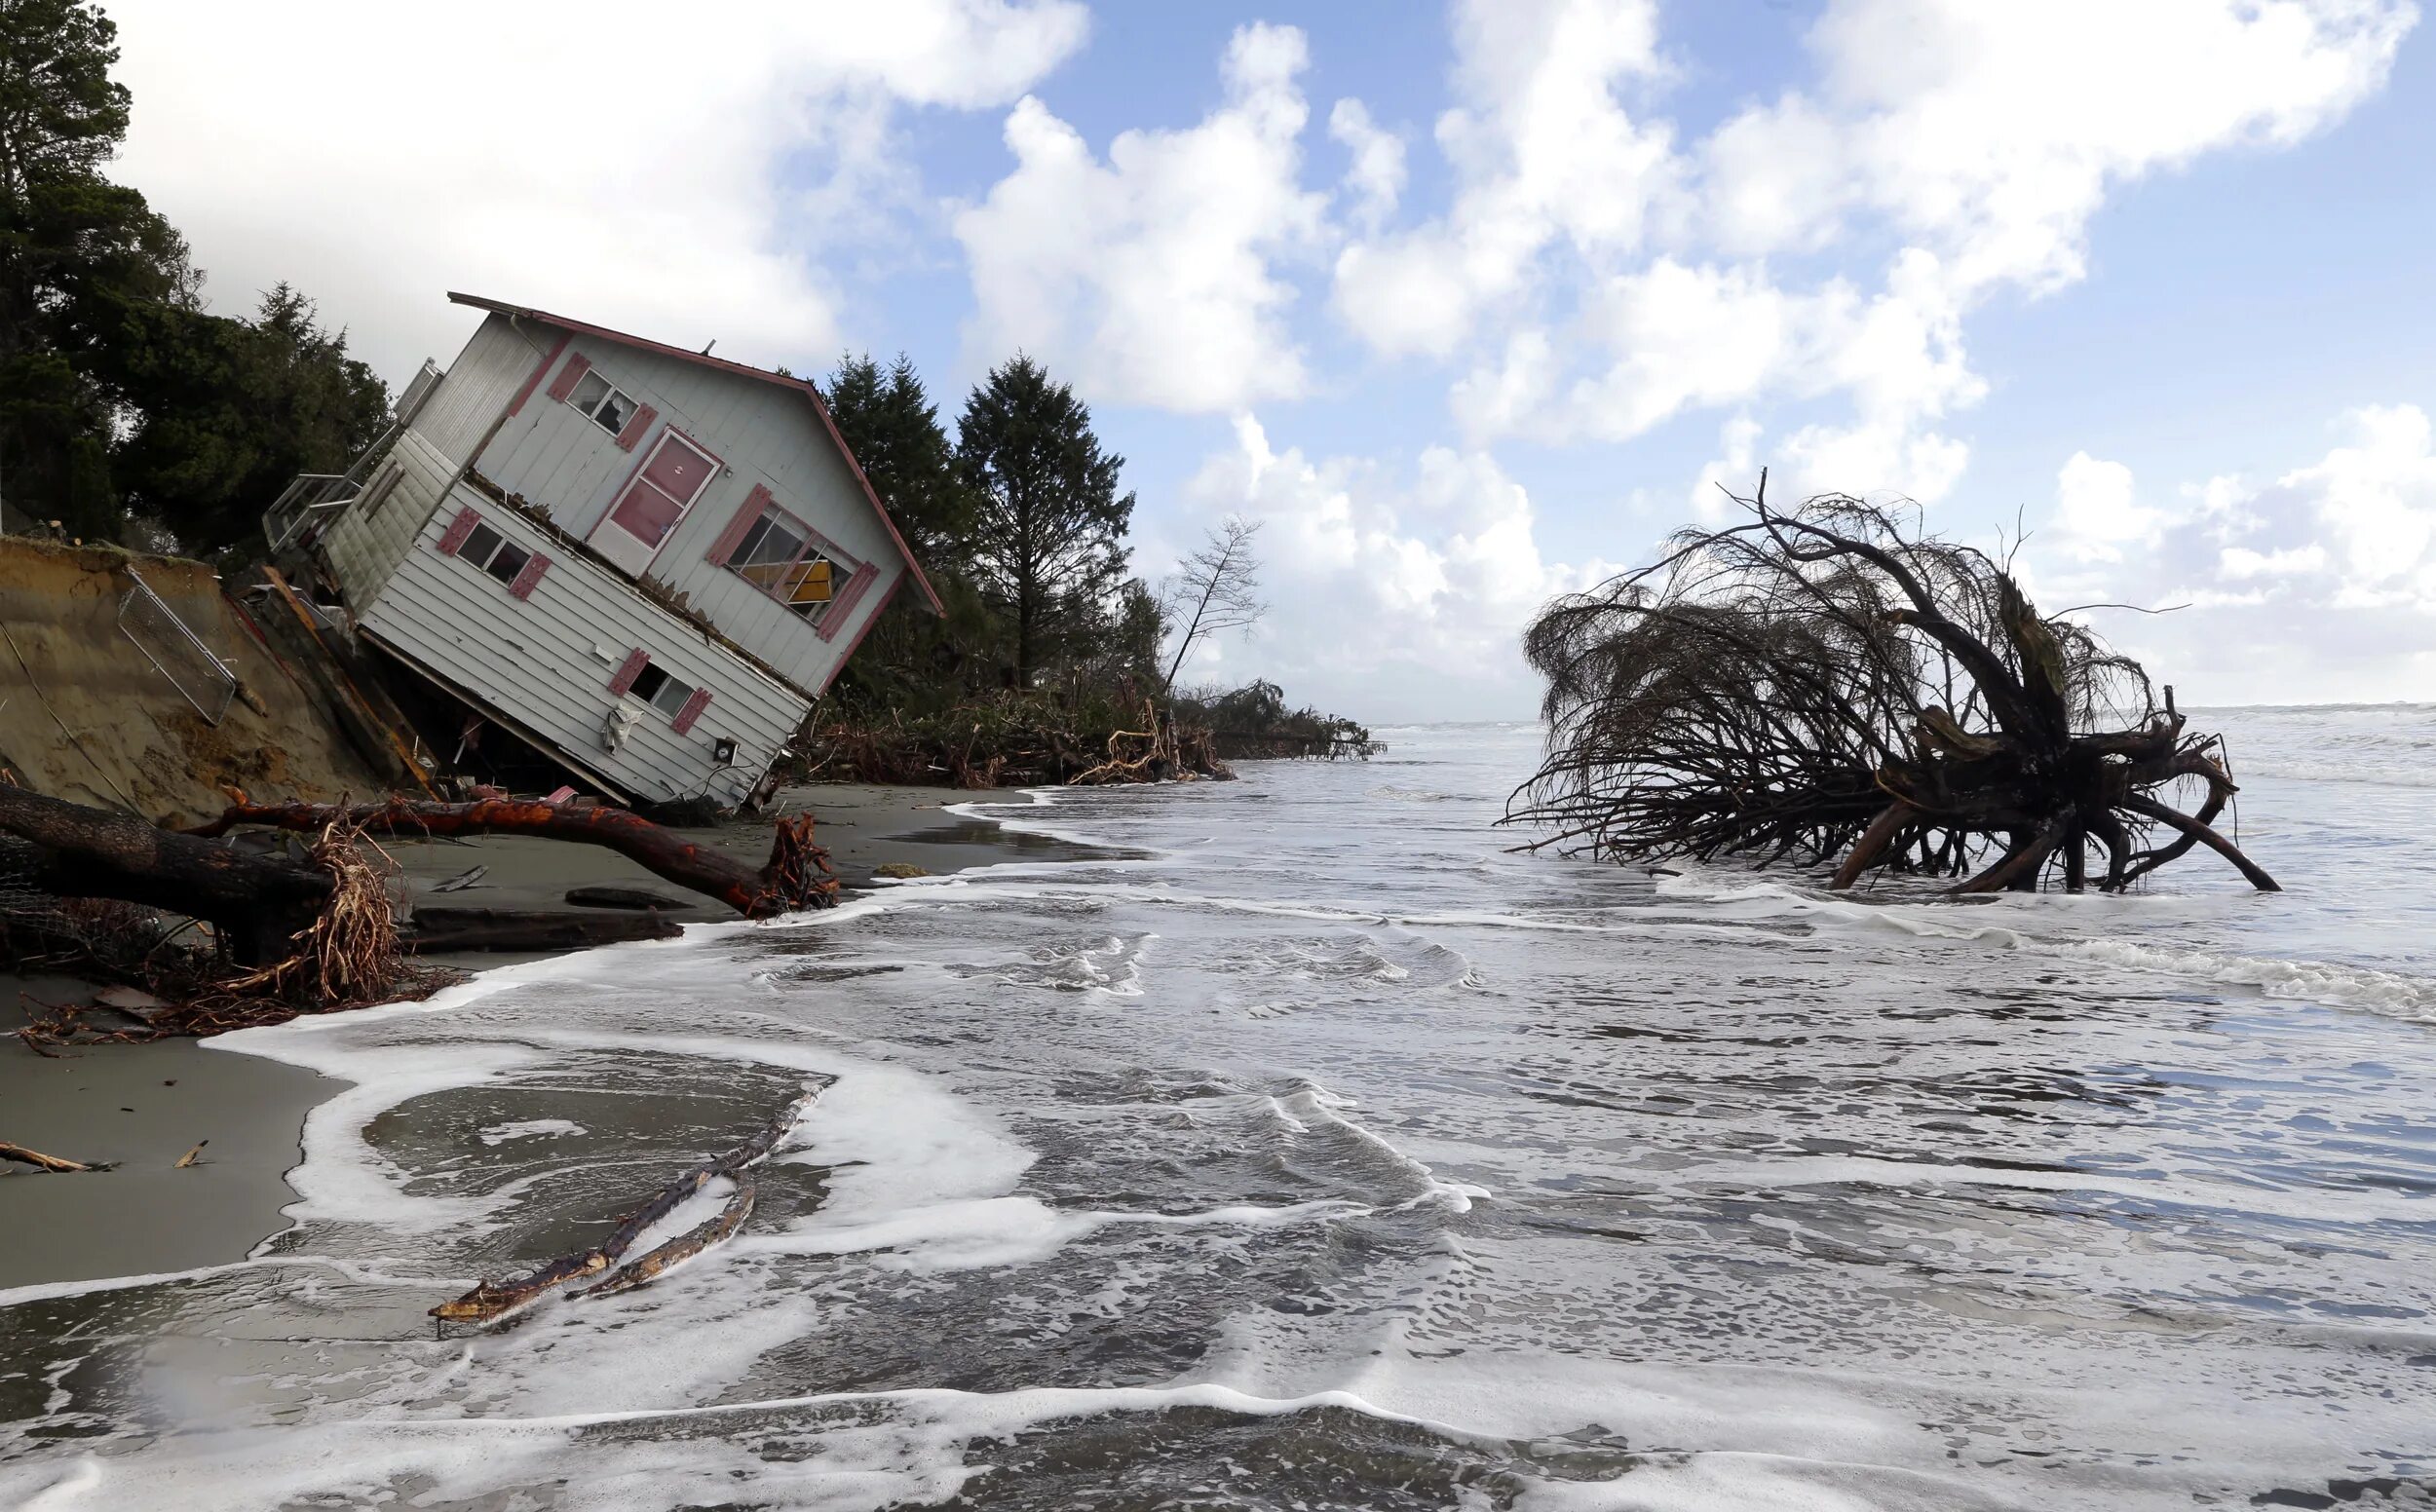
(796, 875)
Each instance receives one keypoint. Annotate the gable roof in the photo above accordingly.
(721, 365)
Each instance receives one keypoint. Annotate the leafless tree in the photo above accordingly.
(1216, 589)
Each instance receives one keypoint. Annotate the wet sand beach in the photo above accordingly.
(143, 1106)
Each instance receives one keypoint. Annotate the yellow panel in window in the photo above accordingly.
(816, 587)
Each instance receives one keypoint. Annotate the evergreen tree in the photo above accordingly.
(77, 255)
(225, 412)
(894, 430)
(1047, 548)
(913, 660)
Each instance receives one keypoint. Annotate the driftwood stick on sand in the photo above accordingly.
(796, 875)
(36, 1159)
(491, 1300)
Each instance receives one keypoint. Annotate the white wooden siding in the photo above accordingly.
(546, 663)
(762, 433)
(366, 545)
(481, 383)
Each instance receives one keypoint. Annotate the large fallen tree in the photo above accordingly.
(295, 936)
(1822, 684)
(796, 875)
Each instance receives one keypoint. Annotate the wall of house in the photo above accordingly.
(762, 434)
(546, 661)
(364, 544)
(488, 375)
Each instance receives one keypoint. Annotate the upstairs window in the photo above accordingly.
(779, 556)
(494, 553)
(661, 691)
(603, 402)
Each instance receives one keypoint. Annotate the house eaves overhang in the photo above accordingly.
(741, 370)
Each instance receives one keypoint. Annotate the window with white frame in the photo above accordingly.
(661, 691)
(603, 402)
(494, 553)
(785, 560)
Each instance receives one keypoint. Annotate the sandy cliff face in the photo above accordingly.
(86, 716)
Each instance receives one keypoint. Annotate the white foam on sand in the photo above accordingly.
(530, 1128)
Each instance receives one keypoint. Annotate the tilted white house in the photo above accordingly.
(647, 562)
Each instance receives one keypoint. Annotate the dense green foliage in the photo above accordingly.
(1048, 546)
(1024, 496)
(123, 402)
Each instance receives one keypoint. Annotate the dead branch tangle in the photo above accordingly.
(1824, 682)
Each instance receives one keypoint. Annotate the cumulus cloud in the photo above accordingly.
(1146, 277)
(2338, 555)
(1374, 174)
(1600, 278)
(592, 157)
(1399, 591)
(1544, 150)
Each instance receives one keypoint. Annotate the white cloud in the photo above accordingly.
(1598, 279)
(1995, 132)
(1374, 175)
(1543, 151)
(1394, 593)
(2095, 514)
(1146, 277)
(2317, 585)
(1986, 136)
(594, 158)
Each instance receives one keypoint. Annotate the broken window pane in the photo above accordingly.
(647, 682)
(481, 545)
(602, 401)
(778, 556)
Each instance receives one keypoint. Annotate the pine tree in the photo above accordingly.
(225, 411)
(1048, 543)
(894, 430)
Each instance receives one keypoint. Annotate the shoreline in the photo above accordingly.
(145, 1104)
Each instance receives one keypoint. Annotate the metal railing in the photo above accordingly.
(176, 651)
(305, 501)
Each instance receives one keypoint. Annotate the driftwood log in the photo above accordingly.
(796, 875)
(490, 1301)
(255, 902)
(524, 928)
(1826, 683)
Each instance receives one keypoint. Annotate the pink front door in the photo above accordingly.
(671, 480)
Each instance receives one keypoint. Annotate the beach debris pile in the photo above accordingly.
(1013, 739)
(489, 1302)
(1830, 682)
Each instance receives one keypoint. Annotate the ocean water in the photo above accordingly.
(1322, 1152)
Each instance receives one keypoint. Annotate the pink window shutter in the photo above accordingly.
(569, 376)
(458, 529)
(732, 537)
(628, 670)
(531, 574)
(635, 427)
(842, 608)
(692, 710)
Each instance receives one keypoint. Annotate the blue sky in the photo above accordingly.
(1470, 304)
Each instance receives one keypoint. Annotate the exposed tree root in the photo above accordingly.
(1823, 682)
